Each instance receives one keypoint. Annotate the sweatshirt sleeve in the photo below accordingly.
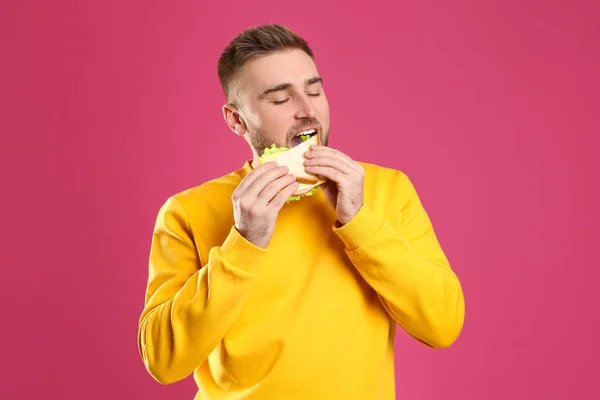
(190, 305)
(406, 266)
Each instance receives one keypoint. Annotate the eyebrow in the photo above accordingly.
(284, 86)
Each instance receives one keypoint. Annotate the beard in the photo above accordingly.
(259, 141)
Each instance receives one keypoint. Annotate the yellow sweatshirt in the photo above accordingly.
(311, 317)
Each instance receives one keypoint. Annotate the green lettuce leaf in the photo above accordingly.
(296, 198)
(271, 153)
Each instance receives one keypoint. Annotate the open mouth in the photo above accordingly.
(302, 136)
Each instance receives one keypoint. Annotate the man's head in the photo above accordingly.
(272, 88)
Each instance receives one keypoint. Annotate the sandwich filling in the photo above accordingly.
(307, 186)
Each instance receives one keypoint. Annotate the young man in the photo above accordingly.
(263, 299)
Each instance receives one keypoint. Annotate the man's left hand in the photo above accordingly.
(345, 180)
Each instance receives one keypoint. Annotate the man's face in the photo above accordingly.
(280, 96)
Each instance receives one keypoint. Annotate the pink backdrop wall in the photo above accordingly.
(491, 107)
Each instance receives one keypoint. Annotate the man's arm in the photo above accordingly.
(190, 307)
(408, 269)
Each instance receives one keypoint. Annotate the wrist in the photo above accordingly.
(260, 241)
(344, 219)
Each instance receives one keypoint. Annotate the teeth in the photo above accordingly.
(306, 132)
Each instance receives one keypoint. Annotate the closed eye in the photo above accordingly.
(283, 101)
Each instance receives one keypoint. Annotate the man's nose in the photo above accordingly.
(305, 108)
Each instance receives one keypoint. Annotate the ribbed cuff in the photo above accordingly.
(361, 229)
(240, 253)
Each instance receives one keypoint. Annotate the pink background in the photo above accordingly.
(491, 107)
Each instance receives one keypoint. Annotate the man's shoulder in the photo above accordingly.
(387, 187)
(213, 189)
(212, 193)
(378, 173)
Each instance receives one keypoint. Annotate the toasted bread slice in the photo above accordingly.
(294, 160)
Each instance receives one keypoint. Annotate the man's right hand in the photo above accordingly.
(258, 199)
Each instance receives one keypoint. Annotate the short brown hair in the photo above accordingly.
(253, 43)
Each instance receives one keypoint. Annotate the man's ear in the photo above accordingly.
(234, 120)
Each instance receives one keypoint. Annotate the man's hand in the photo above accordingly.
(258, 199)
(344, 188)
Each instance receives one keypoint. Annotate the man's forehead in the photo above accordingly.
(293, 66)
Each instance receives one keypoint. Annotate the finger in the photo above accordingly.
(320, 151)
(281, 197)
(328, 172)
(267, 194)
(325, 149)
(264, 179)
(255, 173)
(327, 161)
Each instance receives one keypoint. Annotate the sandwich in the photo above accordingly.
(293, 158)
